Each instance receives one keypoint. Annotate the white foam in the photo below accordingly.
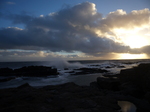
(61, 64)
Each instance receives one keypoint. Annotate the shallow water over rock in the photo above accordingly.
(127, 106)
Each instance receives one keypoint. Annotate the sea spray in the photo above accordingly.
(62, 64)
(64, 75)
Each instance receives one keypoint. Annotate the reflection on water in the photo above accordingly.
(127, 106)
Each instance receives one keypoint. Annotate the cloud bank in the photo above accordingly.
(78, 28)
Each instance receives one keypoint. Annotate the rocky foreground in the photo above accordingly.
(101, 96)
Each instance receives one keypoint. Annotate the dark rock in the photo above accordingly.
(129, 62)
(111, 75)
(108, 67)
(87, 103)
(6, 71)
(66, 68)
(24, 86)
(49, 100)
(121, 66)
(84, 71)
(147, 96)
(108, 83)
(129, 89)
(95, 65)
(94, 84)
(36, 71)
(7, 79)
(31, 71)
(138, 76)
(71, 72)
(68, 98)
(141, 105)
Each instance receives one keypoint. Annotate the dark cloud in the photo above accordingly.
(77, 28)
(142, 50)
(145, 49)
(23, 55)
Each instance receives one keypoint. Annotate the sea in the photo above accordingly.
(63, 67)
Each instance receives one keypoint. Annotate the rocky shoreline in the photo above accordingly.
(131, 85)
(30, 71)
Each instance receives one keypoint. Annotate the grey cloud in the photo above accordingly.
(142, 50)
(23, 55)
(70, 29)
(145, 49)
(22, 18)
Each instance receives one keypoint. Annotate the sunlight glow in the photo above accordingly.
(133, 56)
(135, 41)
(134, 38)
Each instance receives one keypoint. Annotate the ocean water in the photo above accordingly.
(113, 66)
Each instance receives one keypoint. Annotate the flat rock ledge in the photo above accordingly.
(67, 97)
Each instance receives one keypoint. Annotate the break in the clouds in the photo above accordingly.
(78, 28)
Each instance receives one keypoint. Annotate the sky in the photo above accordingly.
(43, 30)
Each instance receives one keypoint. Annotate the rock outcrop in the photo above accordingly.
(84, 71)
(138, 76)
(30, 71)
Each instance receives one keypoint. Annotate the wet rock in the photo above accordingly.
(121, 66)
(141, 104)
(66, 68)
(84, 71)
(24, 86)
(129, 62)
(7, 79)
(6, 71)
(31, 71)
(37, 71)
(95, 65)
(108, 67)
(71, 72)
